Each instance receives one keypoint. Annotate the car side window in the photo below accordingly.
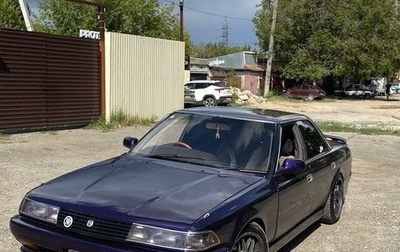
(219, 84)
(190, 85)
(290, 144)
(202, 85)
(313, 141)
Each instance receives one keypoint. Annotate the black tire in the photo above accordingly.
(334, 204)
(310, 97)
(209, 101)
(253, 239)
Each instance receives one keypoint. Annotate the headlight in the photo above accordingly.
(172, 239)
(39, 210)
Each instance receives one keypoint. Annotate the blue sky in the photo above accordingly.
(204, 19)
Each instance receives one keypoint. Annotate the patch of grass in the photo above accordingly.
(4, 138)
(358, 128)
(119, 119)
(272, 95)
(50, 132)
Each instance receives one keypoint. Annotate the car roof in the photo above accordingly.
(266, 115)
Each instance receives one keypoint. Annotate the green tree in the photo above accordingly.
(211, 50)
(11, 15)
(315, 39)
(138, 17)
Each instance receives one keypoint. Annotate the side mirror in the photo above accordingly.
(292, 166)
(130, 142)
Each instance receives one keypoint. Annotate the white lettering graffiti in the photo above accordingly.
(217, 62)
(89, 34)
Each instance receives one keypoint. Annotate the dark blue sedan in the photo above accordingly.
(203, 179)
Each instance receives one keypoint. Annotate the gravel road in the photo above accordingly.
(370, 219)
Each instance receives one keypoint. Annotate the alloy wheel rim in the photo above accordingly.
(337, 200)
(209, 102)
(247, 244)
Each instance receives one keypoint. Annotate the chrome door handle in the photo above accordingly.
(309, 178)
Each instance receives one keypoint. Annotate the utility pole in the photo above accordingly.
(181, 17)
(25, 14)
(101, 21)
(270, 53)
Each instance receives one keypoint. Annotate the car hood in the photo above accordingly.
(144, 188)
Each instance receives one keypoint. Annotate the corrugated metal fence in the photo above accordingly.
(47, 81)
(144, 76)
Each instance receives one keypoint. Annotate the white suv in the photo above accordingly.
(210, 93)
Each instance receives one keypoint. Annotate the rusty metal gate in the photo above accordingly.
(47, 81)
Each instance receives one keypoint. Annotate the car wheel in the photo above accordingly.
(334, 204)
(209, 102)
(253, 239)
(310, 97)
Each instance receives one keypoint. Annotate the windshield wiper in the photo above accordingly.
(235, 168)
(211, 163)
(227, 166)
(174, 156)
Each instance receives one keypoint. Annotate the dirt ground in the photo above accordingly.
(371, 215)
(377, 111)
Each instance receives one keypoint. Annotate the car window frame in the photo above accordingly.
(305, 145)
(298, 144)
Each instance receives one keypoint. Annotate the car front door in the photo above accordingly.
(199, 90)
(295, 191)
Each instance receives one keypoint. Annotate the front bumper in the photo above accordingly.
(36, 236)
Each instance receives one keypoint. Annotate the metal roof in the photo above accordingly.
(244, 60)
(199, 61)
(199, 70)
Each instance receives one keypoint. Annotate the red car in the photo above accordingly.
(308, 92)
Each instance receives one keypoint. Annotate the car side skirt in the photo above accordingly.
(278, 244)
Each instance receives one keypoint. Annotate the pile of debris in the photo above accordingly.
(245, 97)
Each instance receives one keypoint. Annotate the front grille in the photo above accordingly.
(102, 228)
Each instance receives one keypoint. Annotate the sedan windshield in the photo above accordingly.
(207, 140)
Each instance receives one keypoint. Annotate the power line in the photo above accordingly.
(211, 14)
(218, 15)
(225, 28)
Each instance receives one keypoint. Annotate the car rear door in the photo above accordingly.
(320, 161)
(305, 90)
